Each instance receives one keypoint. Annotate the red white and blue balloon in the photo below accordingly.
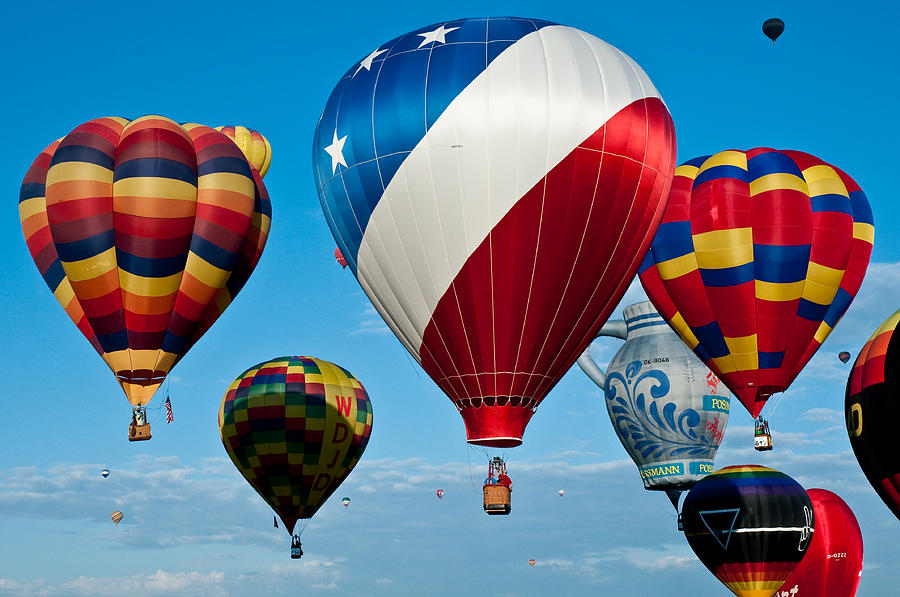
(493, 184)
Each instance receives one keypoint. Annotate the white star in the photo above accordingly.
(436, 36)
(367, 61)
(336, 151)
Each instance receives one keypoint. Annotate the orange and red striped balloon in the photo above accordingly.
(145, 231)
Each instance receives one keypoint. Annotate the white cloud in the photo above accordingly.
(823, 415)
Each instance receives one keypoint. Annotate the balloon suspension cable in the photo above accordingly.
(303, 523)
(469, 459)
(412, 364)
(773, 403)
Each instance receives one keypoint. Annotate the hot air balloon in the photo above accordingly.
(668, 410)
(339, 257)
(295, 427)
(346, 502)
(104, 473)
(253, 145)
(758, 256)
(462, 169)
(773, 28)
(145, 231)
(562, 492)
(872, 408)
(844, 356)
(440, 494)
(117, 517)
(833, 563)
(750, 525)
(531, 562)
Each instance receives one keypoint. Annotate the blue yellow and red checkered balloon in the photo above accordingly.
(295, 427)
(758, 256)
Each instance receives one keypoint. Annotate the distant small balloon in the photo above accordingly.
(773, 28)
(562, 492)
(117, 516)
(345, 501)
(104, 473)
(844, 356)
(339, 257)
(531, 563)
(440, 494)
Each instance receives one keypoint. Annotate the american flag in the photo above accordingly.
(169, 415)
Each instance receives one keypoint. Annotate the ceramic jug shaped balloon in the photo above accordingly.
(667, 408)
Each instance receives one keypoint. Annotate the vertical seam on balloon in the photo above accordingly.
(448, 379)
(128, 350)
(490, 204)
(543, 183)
(624, 281)
(790, 339)
(541, 381)
(553, 364)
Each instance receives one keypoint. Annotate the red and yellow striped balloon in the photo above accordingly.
(145, 231)
(758, 256)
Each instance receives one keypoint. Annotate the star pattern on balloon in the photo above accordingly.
(366, 63)
(336, 151)
(436, 36)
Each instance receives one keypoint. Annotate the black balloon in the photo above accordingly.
(773, 28)
(872, 408)
(750, 525)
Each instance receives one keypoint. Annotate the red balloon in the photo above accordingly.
(832, 565)
(339, 257)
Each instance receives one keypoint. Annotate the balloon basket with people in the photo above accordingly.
(497, 488)
(762, 439)
(296, 548)
(139, 428)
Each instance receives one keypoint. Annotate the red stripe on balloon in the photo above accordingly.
(569, 248)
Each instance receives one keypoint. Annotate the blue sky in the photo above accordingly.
(192, 525)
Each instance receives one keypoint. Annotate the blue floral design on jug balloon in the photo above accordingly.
(641, 413)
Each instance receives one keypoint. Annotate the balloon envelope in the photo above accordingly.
(144, 231)
(117, 516)
(345, 502)
(104, 473)
(440, 494)
(758, 256)
(668, 410)
(562, 492)
(773, 28)
(844, 356)
(463, 168)
(295, 427)
(872, 409)
(339, 257)
(252, 144)
(833, 563)
(531, 563)
(750, 526)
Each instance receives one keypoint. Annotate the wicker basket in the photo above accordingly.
(138, 433)
(496, 499)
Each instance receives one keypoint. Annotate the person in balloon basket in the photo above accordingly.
(296, 548)
(504, 480)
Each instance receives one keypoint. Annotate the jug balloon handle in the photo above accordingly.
(615, 329)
